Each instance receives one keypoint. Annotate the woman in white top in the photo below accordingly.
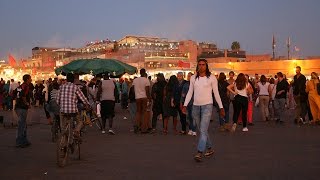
(240, 89)
(263, 89)
(272, 91)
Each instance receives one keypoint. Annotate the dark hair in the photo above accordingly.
(231, 72)
(55, 85)
(142, 72)
(271, 81)
(298, 67)
(106, 76)
(26, 77)
(241, 81)
(208, 73)
(70, 77)
(279, 74)
(222, 77)
(263, 79)
(160, 77)
(173, 81)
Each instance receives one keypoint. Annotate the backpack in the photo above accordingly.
(17, 94)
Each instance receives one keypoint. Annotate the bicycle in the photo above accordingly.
(68, 143)
(55, 128)
(90, 116)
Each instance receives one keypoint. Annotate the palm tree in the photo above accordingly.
(235, 46)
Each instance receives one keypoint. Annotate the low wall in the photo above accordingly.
(271, 67)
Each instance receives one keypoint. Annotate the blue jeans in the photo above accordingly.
(21, 138)
(189, 117)
(202, 115)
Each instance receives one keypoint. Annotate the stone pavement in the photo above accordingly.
(267, 151)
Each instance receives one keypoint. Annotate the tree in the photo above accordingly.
(235, 46)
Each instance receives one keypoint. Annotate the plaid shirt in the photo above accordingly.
(68, 98)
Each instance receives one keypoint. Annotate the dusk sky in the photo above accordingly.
(71, 23)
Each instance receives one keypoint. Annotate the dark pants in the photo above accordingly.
(124, 100)
(192, 124)
(183, 120)
(302, 107)
(155, 118)
(240, 104)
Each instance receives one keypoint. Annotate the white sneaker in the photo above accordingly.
(234, 127)
(111, 132)
(194, 134)
(103, 132)
(190, 132)
(245, 129)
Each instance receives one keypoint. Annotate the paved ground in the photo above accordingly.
(267, 151)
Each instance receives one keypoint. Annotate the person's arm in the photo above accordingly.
(307, 87)
(214, 85)
(190, 91)
(147, 87)
(231, 89)
(81, 96)
(99, 91)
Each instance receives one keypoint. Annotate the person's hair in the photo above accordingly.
(279, 74)
(180, 73)
(172, 82)
(26, 77)
(298, 67)
(160, 77)
(241, 81)
(106, 76)
(222, 77)
(142, 72)
(70, 77)
(208, 73)
(55, 85)
(263, 79)
(271, 81)
(149, 77)
(231, 72)
(314, 75)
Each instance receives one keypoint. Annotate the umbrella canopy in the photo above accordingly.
(96, 66)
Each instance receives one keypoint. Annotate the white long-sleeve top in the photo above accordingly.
(202, 89)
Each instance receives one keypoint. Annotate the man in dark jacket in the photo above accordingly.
(300, 95)
(280, 98)
(177, 96)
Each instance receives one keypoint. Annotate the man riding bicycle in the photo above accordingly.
(68, 99)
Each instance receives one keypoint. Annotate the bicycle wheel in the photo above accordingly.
(54, 131)
(76, 149)
(98, 123)
(62, 150)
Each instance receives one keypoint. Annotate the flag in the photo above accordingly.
(23, 63)
(183, 64)
(12, 61)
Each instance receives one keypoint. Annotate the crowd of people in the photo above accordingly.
(191, 99)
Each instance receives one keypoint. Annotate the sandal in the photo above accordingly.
(198, 157)
(209, 152)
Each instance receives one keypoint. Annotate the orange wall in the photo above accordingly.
(272, 67)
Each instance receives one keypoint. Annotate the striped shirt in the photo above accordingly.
(68, 98)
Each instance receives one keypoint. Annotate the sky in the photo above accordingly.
(71, 23)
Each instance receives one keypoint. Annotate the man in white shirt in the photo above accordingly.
(141, 87)
(202, 84)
